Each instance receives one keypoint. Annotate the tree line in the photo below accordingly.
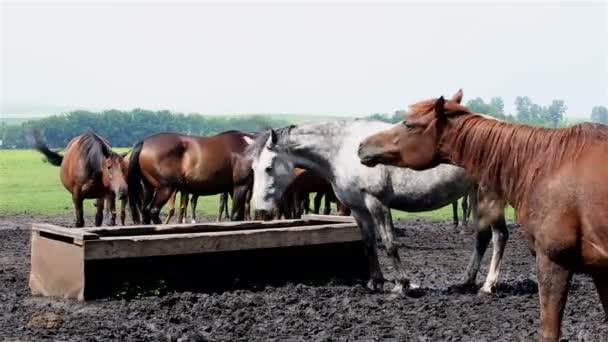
(526, 112)
(124, 128)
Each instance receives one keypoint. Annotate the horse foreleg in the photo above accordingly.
(383, 220)
(248, 204)
(500, 236)
(553, 283)
(223, 200)
(317, 202)
(368, 235)
(227, 209)
(99, 213)
(183, 207)
(171, 210)
(123, 210)
(193, 203)
(111, 208)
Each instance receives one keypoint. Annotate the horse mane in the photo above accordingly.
(92, 149)
(512, 158)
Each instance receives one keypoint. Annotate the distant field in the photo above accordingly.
(30, 186)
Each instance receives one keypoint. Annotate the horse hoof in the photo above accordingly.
(193, 221)
(487, 290)
(375, 285)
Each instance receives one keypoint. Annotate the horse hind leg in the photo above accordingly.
(455, 213)
(500, 236)
(183, 207)
(171, 210)
(78, 212)
(161, 197)
(99, 213)
(193, 203)
(368, 235)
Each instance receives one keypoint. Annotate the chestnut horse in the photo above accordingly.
(554, 178)
(165, 162)
(90, 169)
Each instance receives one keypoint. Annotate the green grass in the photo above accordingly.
(30, 186)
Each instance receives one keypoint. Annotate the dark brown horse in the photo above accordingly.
(306, 183)
(90, 169)
(554, 178)
(166, 162)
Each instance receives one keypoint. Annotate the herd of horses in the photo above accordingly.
(439, 153)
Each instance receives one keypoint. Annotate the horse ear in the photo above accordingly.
(440, 108)
(273, 136)
(458, 96)
(125, 154)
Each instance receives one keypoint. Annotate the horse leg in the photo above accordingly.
(223, 199)
(149, 194)
(123, 211)
(327, 209)
(99, 213)
(384, 221)
(161, 197)
(317, 202)
(368, 234)
(193, 203)
(239, 195)
(465, 210)
(171, 210)
(77, 200)
(247, 204)
(600, 279)
(111, 199)
(500, 236)
(482, 239)
(455, 213)
(553, 283)
(183, 207)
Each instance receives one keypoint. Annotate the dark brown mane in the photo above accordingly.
(512, 157)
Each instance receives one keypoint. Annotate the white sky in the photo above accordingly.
(341, 58)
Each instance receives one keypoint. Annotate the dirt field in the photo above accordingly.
(434, 253)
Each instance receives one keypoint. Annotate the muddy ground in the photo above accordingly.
(434, 252)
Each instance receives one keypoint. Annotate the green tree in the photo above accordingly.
(556, 111)
(522, 105)
(599, 114)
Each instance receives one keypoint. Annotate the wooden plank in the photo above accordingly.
(199, 227)
(74, 233)
(330, 218)
(193, 243)
(57, 268)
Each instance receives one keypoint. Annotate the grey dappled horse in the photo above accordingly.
(330, 150)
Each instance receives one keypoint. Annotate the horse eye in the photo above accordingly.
(268, 169)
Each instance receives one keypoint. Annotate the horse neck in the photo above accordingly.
(311, 149)
(494, 153)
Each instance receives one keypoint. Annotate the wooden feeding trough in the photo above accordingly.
(83, 263)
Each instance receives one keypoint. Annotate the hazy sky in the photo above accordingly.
(341, 58)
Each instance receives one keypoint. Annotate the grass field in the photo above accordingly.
(30, 186)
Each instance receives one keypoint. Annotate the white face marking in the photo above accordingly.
(271, 177)
(248, 140)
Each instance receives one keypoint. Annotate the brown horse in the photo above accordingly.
(307, 182)
(90, 169)
(554, 178)
(184, 198)
(165, 162)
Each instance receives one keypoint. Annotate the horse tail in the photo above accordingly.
(134, 184)
(51, 156)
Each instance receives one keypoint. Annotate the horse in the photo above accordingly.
(330, 150)
(466, 209)
(165, 162)
(183, 211)
(303, 184)
(90, 169)
(552, 177)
